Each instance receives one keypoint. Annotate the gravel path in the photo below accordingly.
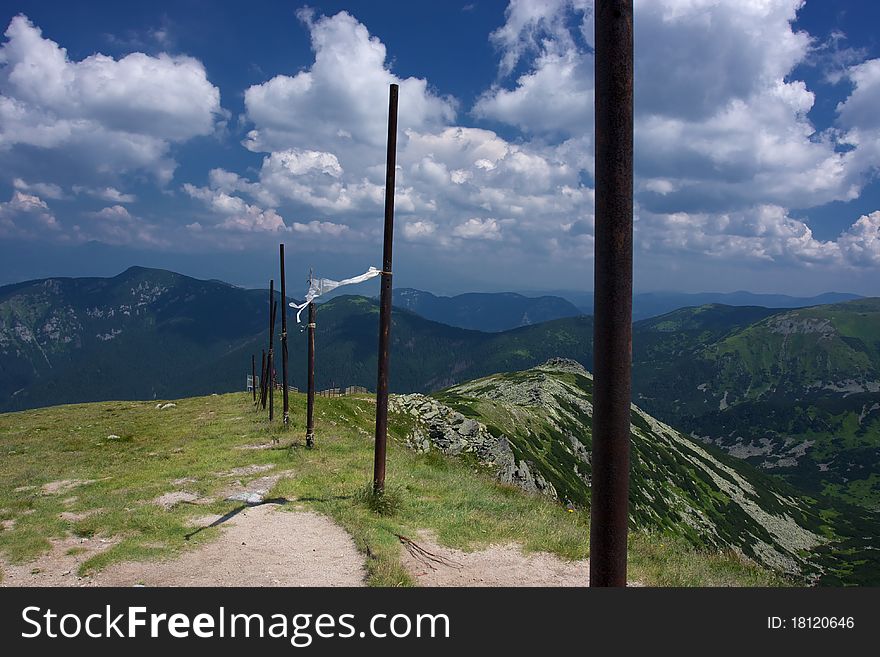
(261, 546)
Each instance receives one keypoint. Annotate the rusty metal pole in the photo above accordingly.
(310, 411)
(273, 378)
(254, 376)
(271, 357)
(262, 400)
(385, 301)
(284, 393)
(613, 280)
(272, 365)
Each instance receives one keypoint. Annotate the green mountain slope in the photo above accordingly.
(108, 473)
(795, 392)
(136, 335)
(426, 355)
(652, 304)
(533, 429)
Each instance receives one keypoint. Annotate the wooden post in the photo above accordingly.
(385, 301)
(286, 405)
(613, 278)
(310, 413)
(254, 376)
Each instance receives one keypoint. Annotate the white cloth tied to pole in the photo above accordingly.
(320, 286)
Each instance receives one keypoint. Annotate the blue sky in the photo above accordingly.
(198, 135)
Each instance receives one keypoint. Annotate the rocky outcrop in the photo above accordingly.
(440, 427)
(793, 323)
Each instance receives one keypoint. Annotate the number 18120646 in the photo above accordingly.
(811, 623)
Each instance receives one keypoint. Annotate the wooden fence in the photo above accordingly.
(330, 392)
(249, 385)
(341, 392)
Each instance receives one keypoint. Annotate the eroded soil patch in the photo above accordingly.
(431, 564)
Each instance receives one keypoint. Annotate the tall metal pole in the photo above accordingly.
(310, 411)
(254, 376)
(272, 371)
(263, 381)
(271, 356)
(284, 393)
(385, 301)
(613, 279)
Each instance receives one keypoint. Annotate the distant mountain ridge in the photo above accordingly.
(484, 311)
(652, 304)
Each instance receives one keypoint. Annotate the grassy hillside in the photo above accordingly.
(677, 483)
(113, 459)
(795, 392)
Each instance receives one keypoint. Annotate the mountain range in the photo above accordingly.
(652, 304)
(794, 391)
(155, 334)
(500, 311)
(497, 311)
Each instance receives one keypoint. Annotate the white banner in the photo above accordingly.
(321, 286)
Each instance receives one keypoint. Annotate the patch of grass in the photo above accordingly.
(385, 503)
(459, 503)
(124, 477)
(662, 559)
(436, 460)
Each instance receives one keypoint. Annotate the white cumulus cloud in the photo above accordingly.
(478, 229)
(860, 244)
(49, 190)
(109, 194)
(26, 215)
(342, 97)
(120, 115)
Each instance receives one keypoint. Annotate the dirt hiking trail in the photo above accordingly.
(260, 546)
(267, 545)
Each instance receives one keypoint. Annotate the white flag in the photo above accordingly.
(321, 286)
